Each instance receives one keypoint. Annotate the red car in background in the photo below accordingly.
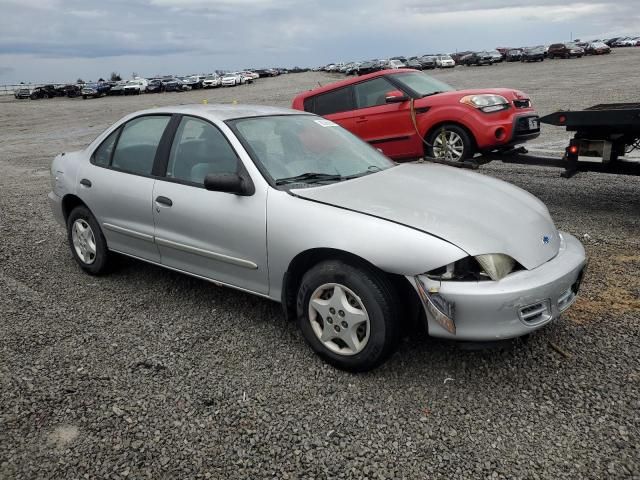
(408, 114)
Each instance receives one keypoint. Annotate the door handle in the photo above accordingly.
(85, 183)
(164, 201)
(362, 120)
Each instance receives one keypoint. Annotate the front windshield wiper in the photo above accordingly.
(309, 177)
(429, 94)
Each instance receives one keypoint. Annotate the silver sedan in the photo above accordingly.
(292, 207)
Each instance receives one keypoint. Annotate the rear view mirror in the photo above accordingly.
(396, 96)
(229, 183)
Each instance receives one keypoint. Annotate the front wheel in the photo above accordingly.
(449, 142)
(348, 315)
(88, 245)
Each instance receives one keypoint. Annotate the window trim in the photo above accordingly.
(120, 129)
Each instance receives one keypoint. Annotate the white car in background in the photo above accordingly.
(212, 81)
(231, 79)
(445, 61)
(396, 64)
(135, 86)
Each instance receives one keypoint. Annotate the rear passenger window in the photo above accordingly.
(199, 149)
(136, 148)
(102, 154)
(333, 102)
(372, 93)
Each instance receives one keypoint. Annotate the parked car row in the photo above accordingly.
(536, 53)
(139, 85)
(423, 62)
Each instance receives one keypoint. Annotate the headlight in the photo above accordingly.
(486, 102)
(493, 266)
(496, 265)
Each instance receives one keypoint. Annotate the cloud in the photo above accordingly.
(205, 34)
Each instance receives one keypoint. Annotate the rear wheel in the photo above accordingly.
(88, 245)
(348, 315)
(449, 142)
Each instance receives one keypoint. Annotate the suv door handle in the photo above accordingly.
(85, 183)
(362, 120)
(164, 201)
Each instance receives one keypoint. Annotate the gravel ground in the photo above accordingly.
(150, 374)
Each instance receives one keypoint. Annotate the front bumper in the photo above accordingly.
(55, 202)
(514, 306)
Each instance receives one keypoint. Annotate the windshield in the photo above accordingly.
(421, 83)
(312, 148)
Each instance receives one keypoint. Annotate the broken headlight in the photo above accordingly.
(493, 266)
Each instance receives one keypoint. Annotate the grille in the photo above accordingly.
(522, 125)
(566, 299)
(536, 314)
(522, 103)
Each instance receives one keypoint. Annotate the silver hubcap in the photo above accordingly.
(339, 319)
(84, 241)
(448, 145)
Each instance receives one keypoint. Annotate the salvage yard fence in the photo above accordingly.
(10, 88)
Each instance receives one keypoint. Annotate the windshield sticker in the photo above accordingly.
(326, 123)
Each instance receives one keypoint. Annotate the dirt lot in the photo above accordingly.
(149, 374)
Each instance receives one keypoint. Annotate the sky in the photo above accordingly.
(62, 40)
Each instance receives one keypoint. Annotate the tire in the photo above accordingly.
(550, 56)
(89, 250)
(375, 323)
(451, 131)
(84, 97)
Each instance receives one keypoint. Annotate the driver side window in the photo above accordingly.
(372, 93)
(199, 149)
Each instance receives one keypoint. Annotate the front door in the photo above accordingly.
(387, 126)
(216, 235)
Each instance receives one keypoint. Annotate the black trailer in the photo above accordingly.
(604, 135)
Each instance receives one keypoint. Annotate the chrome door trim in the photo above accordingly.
(207, 279)
(128, 232)
(207, 253)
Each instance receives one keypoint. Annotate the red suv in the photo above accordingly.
(408, 114)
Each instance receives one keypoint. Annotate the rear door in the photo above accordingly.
(117, 185)
(336, 105)
(387, 126)
(216, 235)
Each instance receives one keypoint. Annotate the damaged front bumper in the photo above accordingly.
(514, 306)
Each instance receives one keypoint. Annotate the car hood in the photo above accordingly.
(477, 213)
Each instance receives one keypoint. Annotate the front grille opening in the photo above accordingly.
(522, 103)
(536, 314)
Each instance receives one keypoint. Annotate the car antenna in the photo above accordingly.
(319, 84)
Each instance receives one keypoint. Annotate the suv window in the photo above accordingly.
(137, 145)
(102, 154)
(372, 92)
(199, 149)
(340, 100)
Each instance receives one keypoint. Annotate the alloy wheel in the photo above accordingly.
(448, 145)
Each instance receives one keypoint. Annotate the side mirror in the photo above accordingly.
(229, 183)
(395, 96)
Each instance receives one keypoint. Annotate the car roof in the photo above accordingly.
(350, 81)
(222, 112)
